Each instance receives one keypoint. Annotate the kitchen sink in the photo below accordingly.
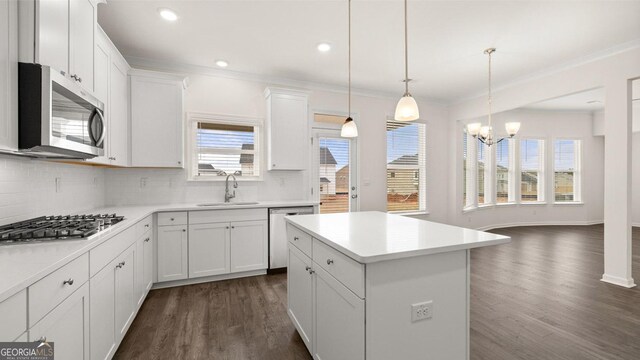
(230, 203)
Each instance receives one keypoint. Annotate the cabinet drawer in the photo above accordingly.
(172, 218)
(108, 250)
(54, 288)
(299, 238)
(346, 270)
(13, 313)
(143, 226)
(216, 216)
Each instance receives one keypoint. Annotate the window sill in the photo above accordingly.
(468, 209)
(534, 203)
(223, 179)
(409, 213)
(569, 203)
(485, 206)
(511, 203)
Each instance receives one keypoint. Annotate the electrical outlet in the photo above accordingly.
(421, 311)
(58, 184)
(143, 182)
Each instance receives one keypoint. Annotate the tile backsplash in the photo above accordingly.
(31, 188)
(163, 186)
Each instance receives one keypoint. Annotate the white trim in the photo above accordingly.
(169, 284)
(628, 283)
(540, 223)
(569, 203)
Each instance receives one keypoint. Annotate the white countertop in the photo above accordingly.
(373, 236)
(23, 264)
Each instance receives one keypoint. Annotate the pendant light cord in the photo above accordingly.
(489, 98)
(406, 51)
(349, 58)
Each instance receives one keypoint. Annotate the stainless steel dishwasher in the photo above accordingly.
(278, 234)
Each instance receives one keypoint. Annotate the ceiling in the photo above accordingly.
(446, 39)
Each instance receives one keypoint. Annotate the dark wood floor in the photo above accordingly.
(538, 297)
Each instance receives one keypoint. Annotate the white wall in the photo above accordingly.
(636, 180)
(230, 96)
(28, 188)
(547, 125)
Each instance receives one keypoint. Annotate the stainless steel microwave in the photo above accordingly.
(57, 118)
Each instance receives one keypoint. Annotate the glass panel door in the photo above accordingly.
(335, 176)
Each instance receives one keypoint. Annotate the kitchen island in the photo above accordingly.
(372, 285)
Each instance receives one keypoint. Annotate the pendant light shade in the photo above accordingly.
(349, 129)
(407, 108)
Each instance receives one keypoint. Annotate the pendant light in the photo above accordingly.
(349, 128)
(485, 133)
(407, 108)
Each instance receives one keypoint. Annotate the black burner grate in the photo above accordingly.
(57, 227)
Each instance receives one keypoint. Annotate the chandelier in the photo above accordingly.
(485, 133)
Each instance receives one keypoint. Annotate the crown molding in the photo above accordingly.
(269, 81)
(596, 56)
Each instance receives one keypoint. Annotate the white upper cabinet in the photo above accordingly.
(8, 75)
(60, 34)
(156, 120)
(287, 129)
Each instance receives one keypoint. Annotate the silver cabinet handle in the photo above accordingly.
(76, 78)
(184, 230)
(233, 227)
(329, 261)
(227, 227)
(123, 263)
(68, 282)
(146, 225)
(295, 238)
(172, 219)
(119, 266)
(147, 239)
(307, 268)
(311, 272)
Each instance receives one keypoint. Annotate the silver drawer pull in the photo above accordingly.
(147, 239)
(68, 282)
(311, 272)
(172, 219)
(146, 225)
(307, 268)
(329, 261)
(184, 230)
(295, 238)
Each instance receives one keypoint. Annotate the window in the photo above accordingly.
(406, 166)
(504, 171)
(484, 167)
(532, 170)
(220, 147)
(566, 170)
(464, 169)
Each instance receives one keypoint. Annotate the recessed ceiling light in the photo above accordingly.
(168, 14)
(324, 47)
(222, 63)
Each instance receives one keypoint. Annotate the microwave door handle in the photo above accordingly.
(104, 128)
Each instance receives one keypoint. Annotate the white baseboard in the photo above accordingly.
(615, 280)
(540, 223)
(205, 279)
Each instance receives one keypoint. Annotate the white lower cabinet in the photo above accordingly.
(144, 266)
(339, 320)
(67, 326)
(125, 300)
(300, 309)
(249, 246)
(103, 317)
(209, 249)
(172, 253)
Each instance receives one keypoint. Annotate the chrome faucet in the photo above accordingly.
(228, 195)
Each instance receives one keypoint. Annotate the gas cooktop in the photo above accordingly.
(47, 228)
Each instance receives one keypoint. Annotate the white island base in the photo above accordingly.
(353, 281)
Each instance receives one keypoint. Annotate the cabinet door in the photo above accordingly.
(101, 89)
(339, 319)
(125, 292)
(82, 25)
(102, 301)
(288, 141)
(172, 253)
(67, 326)
(209, 249)
(9, 75)
(156, 122)
(144, 267)
(248, 245)
(300, 294)
(52, 39)
(147, 271)
(119, 112)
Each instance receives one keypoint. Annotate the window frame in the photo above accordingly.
(422, 169)
(193, 118)
(542, 168)
(577, 173)
(512, 178)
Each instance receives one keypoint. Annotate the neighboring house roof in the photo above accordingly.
(324, 180)
(326, 157)
(406, 160)
(205, 167)
(246, 158)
